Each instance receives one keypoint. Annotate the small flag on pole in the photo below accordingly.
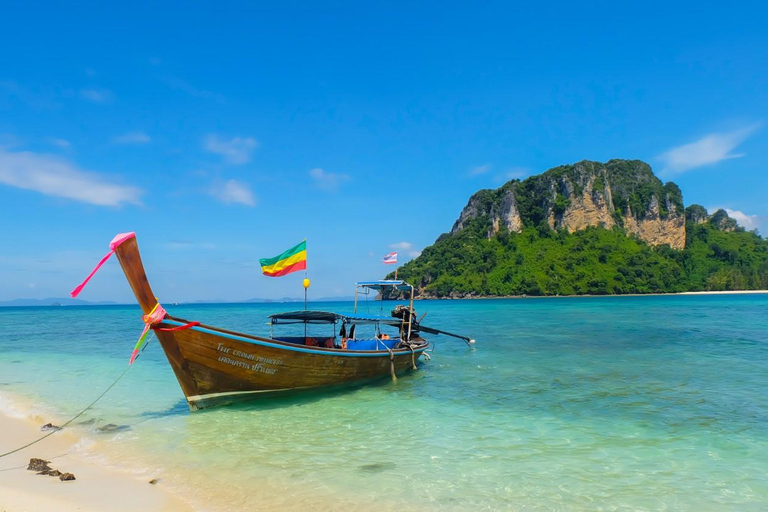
(390, 258)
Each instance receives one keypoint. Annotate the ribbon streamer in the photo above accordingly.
(153, 317)
(122, 237)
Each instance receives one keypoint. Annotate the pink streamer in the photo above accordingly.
(116, 241)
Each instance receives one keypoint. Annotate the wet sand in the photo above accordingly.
(95, 489)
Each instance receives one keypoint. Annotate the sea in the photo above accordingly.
(612, 403)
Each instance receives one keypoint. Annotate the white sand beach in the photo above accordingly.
(732, 292)
(95, 489)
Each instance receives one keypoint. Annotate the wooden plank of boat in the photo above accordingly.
(216, 366)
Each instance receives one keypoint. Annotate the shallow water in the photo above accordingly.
(576, 403)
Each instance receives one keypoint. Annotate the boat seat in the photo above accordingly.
(309, 341)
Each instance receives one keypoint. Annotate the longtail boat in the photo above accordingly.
(216, 366)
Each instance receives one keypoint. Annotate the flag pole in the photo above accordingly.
(305, 283)
(306, 286)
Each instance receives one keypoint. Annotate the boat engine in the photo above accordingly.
(403, 312)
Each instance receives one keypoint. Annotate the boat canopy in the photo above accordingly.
(380, 285)
(326, 317)
(310, 317)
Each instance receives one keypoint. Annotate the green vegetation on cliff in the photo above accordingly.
(593, 261)
(629, 233)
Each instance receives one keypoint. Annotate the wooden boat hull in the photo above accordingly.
(214, 366)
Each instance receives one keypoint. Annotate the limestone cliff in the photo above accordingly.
(499, 206)
(588, 228)
(619, 193)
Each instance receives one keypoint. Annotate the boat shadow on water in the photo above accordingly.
(294, 398)
(180, 408)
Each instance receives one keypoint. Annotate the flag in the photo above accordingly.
(292, 260)
(390, 258)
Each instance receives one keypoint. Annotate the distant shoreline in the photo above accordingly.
(477, 297)
(671, 294)
(737, 292)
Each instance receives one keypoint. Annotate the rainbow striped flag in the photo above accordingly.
(292, 260)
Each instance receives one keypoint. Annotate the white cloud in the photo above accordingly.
(132, 138)
(405, 247)
(327, 180)
(748, 222)
(96, 95)
(53, 176)
(234, 191)
(401, 246)
(744, 220)
(710, 149)
(481, 169)
(235, 151)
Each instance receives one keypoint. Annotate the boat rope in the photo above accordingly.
(151, 321)
(413, 354)
(411, 346)
(71, 419)
(392, 363)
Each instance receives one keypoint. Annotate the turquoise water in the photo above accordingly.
(623, 403)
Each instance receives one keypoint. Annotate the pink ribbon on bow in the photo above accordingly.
(119, 239)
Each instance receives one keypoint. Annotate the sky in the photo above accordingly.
(224, 132)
